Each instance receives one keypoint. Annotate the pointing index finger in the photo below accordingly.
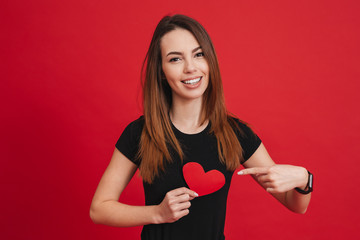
(254, 170)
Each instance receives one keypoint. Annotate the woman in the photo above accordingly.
(187, 146)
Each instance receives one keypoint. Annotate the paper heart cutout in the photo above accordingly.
(202, 182)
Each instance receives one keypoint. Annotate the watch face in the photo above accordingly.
(310, 182)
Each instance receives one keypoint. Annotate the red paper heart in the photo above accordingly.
(199, 181)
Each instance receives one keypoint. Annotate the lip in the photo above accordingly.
(192, 86)
(192, 78)
(192, 81)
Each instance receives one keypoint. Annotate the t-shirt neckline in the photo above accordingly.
(191, 134)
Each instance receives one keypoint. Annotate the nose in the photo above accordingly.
(189, 66)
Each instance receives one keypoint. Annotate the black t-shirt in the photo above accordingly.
(206, 219)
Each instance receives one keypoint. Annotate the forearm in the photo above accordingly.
(279, 179)
(296, 201)
(113, 213)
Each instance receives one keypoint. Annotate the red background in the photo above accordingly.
(70, 84)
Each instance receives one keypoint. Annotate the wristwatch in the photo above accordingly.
(309, 185)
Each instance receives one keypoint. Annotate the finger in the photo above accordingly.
(191, 198)
(254, 170)
(190, 192)
(183, 213)
(267, 185)
(184, 205)
(277, 189)
(263, 178)
(183, 198)
(272, 190)
(184, 190)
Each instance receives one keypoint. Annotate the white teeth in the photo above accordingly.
(193, 81)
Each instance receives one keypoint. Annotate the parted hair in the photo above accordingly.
(157, 135)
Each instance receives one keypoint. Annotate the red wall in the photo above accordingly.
(70, 84)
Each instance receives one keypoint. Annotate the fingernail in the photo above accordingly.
(196, 194)
(240, 173)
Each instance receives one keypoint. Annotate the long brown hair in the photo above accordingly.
(157, 134)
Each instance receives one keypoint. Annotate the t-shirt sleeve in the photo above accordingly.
(248, 139)
(128, 142)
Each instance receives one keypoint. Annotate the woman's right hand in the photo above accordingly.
(175, 205)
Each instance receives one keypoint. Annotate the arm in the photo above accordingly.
(105, 208)
(279, 180)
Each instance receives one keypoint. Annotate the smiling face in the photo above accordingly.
(184, 65)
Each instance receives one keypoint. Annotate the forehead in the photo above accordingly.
(178, 40)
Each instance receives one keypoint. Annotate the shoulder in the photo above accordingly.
(248, 139)
(135, 127)
(138, 123)
(128, 142)
(240, 127)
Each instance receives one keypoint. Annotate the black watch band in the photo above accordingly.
(309, 185)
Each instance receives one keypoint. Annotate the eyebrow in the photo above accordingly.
(179, 53)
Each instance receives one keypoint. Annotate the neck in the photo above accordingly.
(186, 115)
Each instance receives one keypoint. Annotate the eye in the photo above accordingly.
(199, 54)
(175, 59)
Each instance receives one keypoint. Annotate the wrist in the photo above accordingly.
(308, 188)
(304, 179)
(156, 214)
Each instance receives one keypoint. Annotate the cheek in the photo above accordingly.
(171, 73)
(204, 67)
(169, 77)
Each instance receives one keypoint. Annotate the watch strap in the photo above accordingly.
(309, 185)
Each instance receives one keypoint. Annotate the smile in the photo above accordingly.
(192, 81)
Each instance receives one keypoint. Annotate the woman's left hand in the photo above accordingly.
(278, 178)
